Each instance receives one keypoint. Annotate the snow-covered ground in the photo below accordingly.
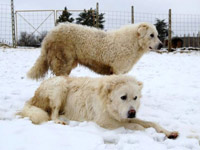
(171, 97)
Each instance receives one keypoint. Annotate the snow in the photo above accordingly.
(171, 97)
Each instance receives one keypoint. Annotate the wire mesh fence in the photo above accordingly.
(187, 27)
(185, 23)
(149, 17)
(5, 24)
(116, 19)
(184, 27)
(37, 22)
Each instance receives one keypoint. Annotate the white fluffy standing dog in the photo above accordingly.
(112, 52)
(110, 101)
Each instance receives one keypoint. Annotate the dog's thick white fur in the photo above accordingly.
(112, 52)
(110, 101)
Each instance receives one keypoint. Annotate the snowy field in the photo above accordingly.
(171, 97)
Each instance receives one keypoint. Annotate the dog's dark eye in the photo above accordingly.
(152, 35)
(124, 97)
(135, 98)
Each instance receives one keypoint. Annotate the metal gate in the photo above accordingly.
(34, 22)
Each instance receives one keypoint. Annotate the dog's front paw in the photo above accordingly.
(60, 122)
(173, 135)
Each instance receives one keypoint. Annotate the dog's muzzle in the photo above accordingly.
(131, 113)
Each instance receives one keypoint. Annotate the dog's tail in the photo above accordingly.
(35, 114)
(40, 67)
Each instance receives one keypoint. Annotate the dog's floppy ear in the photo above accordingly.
(142, 30)
(105, 89)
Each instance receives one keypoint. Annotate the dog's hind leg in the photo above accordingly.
(36, 114)
(62, 67)
(60, 63)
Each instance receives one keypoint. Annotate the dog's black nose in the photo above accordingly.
(160, 46)
(131, 113)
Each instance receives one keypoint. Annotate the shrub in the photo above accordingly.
(30, 40)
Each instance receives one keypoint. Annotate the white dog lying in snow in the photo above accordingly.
(110, 101)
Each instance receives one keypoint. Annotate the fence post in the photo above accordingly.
(97, 15)
(13, 24)
(55, 17)
(184, 41)
(194, 40)
(16, 30)
(93, 17)
(170, 32)
(132, 14)
(189, 40)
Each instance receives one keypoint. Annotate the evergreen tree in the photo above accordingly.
(89, 18)
(161, 26)
(65, 16)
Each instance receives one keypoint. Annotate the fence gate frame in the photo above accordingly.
(17, 13)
